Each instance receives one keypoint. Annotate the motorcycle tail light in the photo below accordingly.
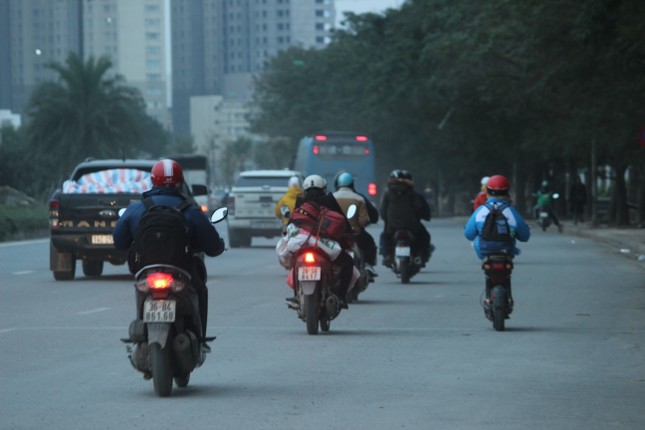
(159, 281)
(310, 257)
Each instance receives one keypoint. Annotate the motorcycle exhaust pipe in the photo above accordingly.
(184, 353)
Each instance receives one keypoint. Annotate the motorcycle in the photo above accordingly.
(314, 280)
(496, 300)
(364, 277)
(407, 262)
(164, 341)
(543, 218)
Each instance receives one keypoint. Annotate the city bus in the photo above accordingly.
(327, 153)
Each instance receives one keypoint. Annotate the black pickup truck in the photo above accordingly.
(84, 212)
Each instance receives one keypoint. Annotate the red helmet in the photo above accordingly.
(497, 186)
(167, 173)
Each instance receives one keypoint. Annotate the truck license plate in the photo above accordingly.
(159, 311)
(102, 239)
(309, 273)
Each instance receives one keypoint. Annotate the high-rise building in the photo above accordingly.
(218, 45)
(133, 34)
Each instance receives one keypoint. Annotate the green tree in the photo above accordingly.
(85, 113)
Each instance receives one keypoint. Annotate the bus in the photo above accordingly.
(327, 153)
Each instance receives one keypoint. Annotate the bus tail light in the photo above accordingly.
(320, 137)
(361, 138)
(316, 149)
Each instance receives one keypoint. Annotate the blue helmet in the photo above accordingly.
(345, 180)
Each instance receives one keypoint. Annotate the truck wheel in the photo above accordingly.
(92, 268)
(62, 264)
(234, 239)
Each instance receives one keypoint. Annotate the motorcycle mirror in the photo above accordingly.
(556, 196)
(219, 214)
(121, 212)
(351, 211)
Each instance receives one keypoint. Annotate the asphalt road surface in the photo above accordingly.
(416, 356)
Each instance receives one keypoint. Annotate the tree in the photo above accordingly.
(85, 113)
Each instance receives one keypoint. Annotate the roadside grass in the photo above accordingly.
(23, 222)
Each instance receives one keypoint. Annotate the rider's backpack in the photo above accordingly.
(163, 237)
(496, 235)
(317, 219)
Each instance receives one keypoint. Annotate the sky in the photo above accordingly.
(364, 6)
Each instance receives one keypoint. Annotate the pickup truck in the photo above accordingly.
(84, 210)
(251, 205)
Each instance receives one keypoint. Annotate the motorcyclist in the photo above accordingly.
(403, 208)
(167, 179)
(544, 202)
(481, 197)
(288, 199)
(497, 190)
(366, 213)
(315, 191)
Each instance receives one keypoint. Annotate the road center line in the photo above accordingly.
(94, 311)
(24, 272)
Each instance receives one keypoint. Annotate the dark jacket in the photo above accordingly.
(203, 235)
(403, 207)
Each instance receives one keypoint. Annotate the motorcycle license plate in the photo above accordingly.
(544, 214)
(159, 311)
(402, 251)
(309, 273)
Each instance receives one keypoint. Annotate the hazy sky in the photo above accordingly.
(363, 6)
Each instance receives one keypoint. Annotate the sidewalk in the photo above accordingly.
(627, 240)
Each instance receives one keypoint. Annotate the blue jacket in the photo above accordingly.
(519, 228)
(203, 235)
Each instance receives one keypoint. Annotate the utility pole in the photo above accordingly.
(594, 185)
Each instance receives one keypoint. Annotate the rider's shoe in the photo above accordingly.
(292, 302)
(371, 270)
(342, 303)
(387, 261)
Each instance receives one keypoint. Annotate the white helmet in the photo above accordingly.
(294, 181)
(314, 181)
(485, 180)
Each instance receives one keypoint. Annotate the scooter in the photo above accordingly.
(496, 300)
(164, 341)
(407, 262)
(364, 277)
(543, 218)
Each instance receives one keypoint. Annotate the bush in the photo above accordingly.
(20, 222)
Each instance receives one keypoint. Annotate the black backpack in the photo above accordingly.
(496, 229)
(163, 237)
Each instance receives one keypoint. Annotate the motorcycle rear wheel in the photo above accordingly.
(499, 308)
(404, 269)
(161, 369)
(312, 311)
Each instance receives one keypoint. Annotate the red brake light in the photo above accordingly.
(159, 281)
(361, 138)
(54, 204)
(310, 257)
(320, 137)
(371, 189)
(316, 149)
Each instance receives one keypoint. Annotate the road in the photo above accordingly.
(417, 356)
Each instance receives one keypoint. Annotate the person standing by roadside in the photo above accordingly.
(577, 200)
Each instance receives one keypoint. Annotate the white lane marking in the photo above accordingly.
(23, 242)
(93, 311)
(7, 330)
(24, 272)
